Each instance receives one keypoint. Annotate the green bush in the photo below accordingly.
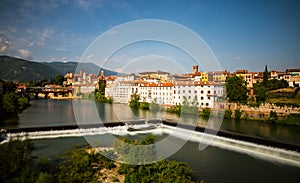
(10, 102)
(273, 116)
(205, 112)
(238, 114)
(144, 105)
(23, 103)
(228, 113)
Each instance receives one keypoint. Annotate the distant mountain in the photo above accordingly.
(15, 69)
(90, 68)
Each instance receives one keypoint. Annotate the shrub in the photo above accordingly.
(238, 114)
(228, 113)
(206, 112)
(273, 116)
(23, 103)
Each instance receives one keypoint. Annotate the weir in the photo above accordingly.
(254, 146)
(221, 133)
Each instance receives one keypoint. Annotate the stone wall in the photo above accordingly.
(263, 111)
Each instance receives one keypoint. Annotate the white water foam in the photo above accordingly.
(255, 150)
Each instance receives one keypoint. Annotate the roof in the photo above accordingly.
(293, 70)
(153, 72)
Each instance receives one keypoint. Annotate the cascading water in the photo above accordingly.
(255, 150)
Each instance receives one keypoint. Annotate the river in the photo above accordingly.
(60, 112)
(213, 164)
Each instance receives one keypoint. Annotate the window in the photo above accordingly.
(195, 91)
(189, 97)
(189, 91)
(183, 91)
(208, 98)
(207, 104)
(201, 91)
(208, 92)
(201, 98)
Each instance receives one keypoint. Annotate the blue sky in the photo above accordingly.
(241, 34)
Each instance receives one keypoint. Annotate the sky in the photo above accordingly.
(240, 34)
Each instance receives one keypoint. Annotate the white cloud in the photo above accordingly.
(237, 58)
(4, 45)
(89, 57)
(24, 53)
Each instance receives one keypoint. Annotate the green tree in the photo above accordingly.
(17, 162)
(273, 116)
(10, 102)
(59, 80)
(265, 77)
(134, 101)
(22, 103)
(76, 166)
(238, 114)
(236, 89)
(135, 152)
(162, 171)
(260, 92)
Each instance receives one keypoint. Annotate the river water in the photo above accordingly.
(213, 164)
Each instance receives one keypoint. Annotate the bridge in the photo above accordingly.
(64, 91)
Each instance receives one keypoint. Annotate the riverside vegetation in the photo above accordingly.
(85, 165)
(10, 102)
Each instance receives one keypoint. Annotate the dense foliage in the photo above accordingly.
(260, 91)
(10, 102)
(274, 84)
(228, 113)
(162, 171)
(76, 166)
(238, 114)
(236, 89)
(100, 93)
(134, 101)
(135, 152)
(17, 163)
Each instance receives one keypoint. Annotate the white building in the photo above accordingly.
(121, 89)
(205, 93)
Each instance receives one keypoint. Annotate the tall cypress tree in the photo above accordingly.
(265, 77)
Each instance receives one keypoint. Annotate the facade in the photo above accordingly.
(82, 82)
(204, 93)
